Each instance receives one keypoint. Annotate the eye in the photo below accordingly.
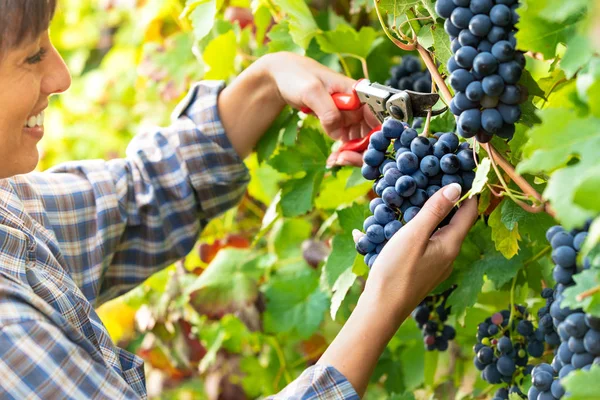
(38, 57)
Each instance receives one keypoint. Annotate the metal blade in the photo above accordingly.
(421, 103)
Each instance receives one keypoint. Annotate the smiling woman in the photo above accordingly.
(31, 70)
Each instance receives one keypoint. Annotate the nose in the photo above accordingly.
(58, 77)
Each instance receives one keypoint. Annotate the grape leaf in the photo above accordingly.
(287, 236)
(441, 42)
(582, 385)
(579, 52)
(538, 34)
(403, 396)
(264, 180)
(228, 283)
(202, 16)
(281, 40)
(352, 217)
(481, 177)
(340, 259)
(396, 8)
(347, 41)
(506, 240)
(302, 25)
(295, 303)
(551, 146)
(309, 155)
(585, 280)
(219, 56)
(533, 89)
(588, 191)
(334, 192)
(425, 36)
(340, 289)
(530, 224)
(268, 142)
(559, 10)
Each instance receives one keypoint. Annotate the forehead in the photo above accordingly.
(22, 21)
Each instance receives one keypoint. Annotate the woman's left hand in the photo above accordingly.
(303, 82)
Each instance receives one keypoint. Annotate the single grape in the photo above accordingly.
(375, 234)
(420, 178)
(407, 163)
(485, 64)
(410, 213)
(407, 136)
(460, 79)
(370, 173)
(503, 51)
(418, 198)
(373, 157)
(466, 38)
(510, 71)
(452, 30)
(391, 197)
(511, 95)
(480, 6)
(383, 214)
(501, 15)
(461, 17)
(391, 228)
(465, 56)
(493, 85)
(420, 146)
(480, 25)
(430, 165)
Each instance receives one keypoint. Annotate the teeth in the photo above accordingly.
(37, 120)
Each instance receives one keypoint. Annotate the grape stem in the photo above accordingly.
(400, 44)
(588, 293)
(495, 157)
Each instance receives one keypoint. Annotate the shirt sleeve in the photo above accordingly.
(119, 221)
(319, 382)
(38, 361)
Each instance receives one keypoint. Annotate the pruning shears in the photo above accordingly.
(384, 101)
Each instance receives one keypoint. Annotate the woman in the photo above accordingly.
(85, 232)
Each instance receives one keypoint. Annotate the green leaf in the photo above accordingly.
(334, 193)
(219, 56)
(585, 280)
(588, 191)
(340, 259)
(302, 25)
(579, 53)
(229, 283)
(441, 42)
(268, 142)
(295, 303)
(347, 41)
(287, 236)
(352, 217)
(403, 396)
(281, 40)
(431, 363)
(532, 86)
(202, 16)
(425, 36)
(552, 148)
(538, 34)
(397, 8)
(481, 177)
(558, 10)
(582, 385)
(506, 240)
(340, 289)
(264, 180)
(308, 156)
(532, 225)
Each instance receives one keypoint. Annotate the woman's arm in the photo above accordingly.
(408, 268)
(250, 104)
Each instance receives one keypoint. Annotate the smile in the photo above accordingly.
(37, 120)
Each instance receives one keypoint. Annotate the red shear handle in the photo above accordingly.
(359, 145)
(343, 101)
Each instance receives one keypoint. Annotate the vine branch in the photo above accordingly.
(588, 293)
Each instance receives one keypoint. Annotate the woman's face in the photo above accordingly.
(29, 75)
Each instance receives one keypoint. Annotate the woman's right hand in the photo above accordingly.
(418, 258)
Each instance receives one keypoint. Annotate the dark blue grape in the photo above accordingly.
(460, 17)
(391, 228)
(383, 214)
(497, 33)
(465, 159)
(452, 65)
(387, 164)
(380, 186)
(392, 175)
(450, 164)
(374, 158)
(364, 245)
(484, 45)
(542, 380)
(431, 190)
(493, 85)
(449, 179)
(535, 348)
(451, 140)
(480, 25)
(491, 374)
(481, 6)
(561, 238)
(525, 327)
(465, 56)
(452, 30)
(579, 240)
(392, 128)
(533, 393)
(485, 64)
(420, 178)
(557, 389)
(485, 355)
(410, 213)
(441, 148)
(379, 142)
(418, 198)
(391, 197)
(506, 366)
(406, 186)
(592, 322)
(510, 71)
(374, 203)
(470, 121)
(466, 38)
(491, 120)
(370, 173)
(460, 79)
(407, 163)
(503, 51)
(467, 177)
(581, 360)
(420, 146)
(565, 256)
(591, 342)
(501, 15)
(510, 114)
(375, 234)
(505, 345)
(474, 91)
(368, 222)
(576, 345)
(430, 166)
(575, 325)
(511, 95)
(422, 85)
(463, 103)
(407, 136)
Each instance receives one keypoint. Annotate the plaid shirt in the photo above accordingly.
(85, 232)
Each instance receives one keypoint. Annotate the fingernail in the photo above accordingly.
(356, 235)
(343, 161)
(452, 192)
(331, 160)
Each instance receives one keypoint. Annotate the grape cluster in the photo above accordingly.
(545, 323)
(403, 184)
(485, 67)
(409, 75)
(578, 333)
(430, 317)
(503, 351)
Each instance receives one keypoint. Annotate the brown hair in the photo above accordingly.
(23, 20)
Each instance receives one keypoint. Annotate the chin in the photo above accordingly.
(23, 166)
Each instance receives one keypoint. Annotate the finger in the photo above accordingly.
(349, 158)
(357, 235)
(354, 132)
(370, 118)
(455, 232)
(318, 99)
(435, 210)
